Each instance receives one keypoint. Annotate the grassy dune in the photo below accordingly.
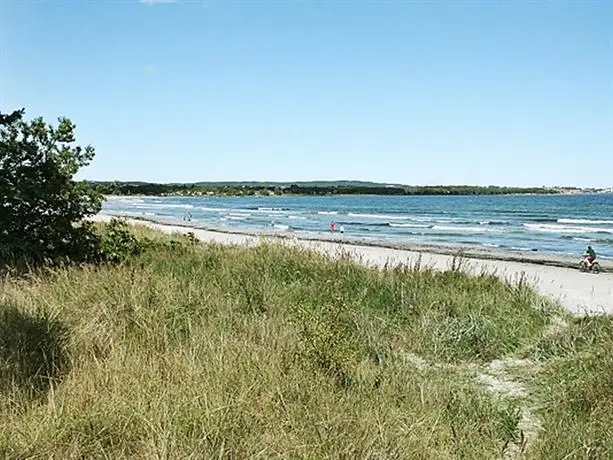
(200, 351)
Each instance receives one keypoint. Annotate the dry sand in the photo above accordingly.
(579, 293)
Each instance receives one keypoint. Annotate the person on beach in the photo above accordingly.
(332, 226)
(590, 255)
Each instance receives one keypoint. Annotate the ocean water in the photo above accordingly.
(557, 224)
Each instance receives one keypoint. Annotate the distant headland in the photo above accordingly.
(320, 188)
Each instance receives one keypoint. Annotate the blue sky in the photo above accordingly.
(513, 92)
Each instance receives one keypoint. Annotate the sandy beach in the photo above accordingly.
(555, 277)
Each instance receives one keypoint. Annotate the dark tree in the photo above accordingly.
(40, 202)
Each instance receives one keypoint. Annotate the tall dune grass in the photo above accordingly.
(202, 351)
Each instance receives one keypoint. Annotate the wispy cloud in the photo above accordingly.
(154, 2)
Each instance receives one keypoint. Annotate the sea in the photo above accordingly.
(551, 224)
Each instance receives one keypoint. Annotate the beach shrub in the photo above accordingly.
(118, 244)
(40, 201)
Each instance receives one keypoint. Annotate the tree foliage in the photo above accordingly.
(40, 202)
(238, 189)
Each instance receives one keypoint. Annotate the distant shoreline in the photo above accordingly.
(469, 252)
(324, 188)
(288, 195)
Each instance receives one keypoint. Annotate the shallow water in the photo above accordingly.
(556, 224)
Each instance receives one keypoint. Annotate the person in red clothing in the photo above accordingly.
(332, 226)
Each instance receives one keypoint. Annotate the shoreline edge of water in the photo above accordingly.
(468, 252)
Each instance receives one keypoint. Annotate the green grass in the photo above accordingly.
(575, 390)
(201, 351)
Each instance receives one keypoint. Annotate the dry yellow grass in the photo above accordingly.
(193, 351)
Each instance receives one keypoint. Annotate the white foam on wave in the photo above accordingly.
(281, 227)
(449, 228)
(135, 214)
(585, 221)
(164, 205)
(123, 199)
(125, 202)
(268, 209)
(203, 208)
(327, 213)
(577, 238)
(239, 214)
(428, 219)
(378, 216)
(555, 228)
(410, 225)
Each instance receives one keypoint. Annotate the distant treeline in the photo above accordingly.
(238, 189)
